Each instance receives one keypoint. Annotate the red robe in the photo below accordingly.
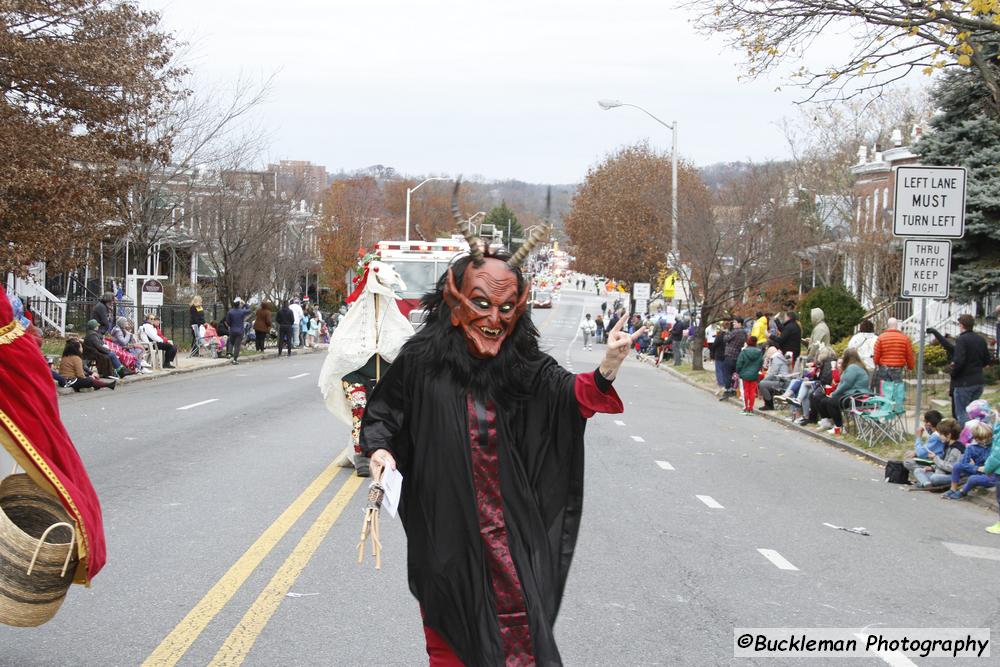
(32, 432)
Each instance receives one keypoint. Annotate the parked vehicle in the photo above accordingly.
(419, 264)
(541, 300)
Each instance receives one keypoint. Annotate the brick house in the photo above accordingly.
(872, 266)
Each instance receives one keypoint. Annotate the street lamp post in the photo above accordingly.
(607, 105)
(410, 191)
(473, 217)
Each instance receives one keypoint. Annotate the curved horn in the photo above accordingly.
(529, 244)
(536, 236)
(454, 204)
(475, 249)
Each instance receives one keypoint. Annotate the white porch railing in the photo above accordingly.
(45, 305)
(947, 326)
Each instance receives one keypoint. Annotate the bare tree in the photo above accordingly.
(890, 39)
(824, 142)
(239, 222)
(203, 133)
(743, 248)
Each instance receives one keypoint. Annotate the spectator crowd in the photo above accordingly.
(767, 359)
(112, 348)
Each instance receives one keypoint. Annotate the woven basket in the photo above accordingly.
(37, 553)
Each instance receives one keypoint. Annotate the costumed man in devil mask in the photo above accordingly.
(487, 431)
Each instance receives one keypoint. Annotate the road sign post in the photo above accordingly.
(926, 275)
(928, 209)
(920, 363)
(926, 268)
(929, 202)
(640, 291)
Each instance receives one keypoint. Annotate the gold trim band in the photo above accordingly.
(83, 546)
(11, 332)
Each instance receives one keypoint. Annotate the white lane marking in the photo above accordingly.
(638, 438)
(972, 551)
(664, 465)
(777, 559)
(894, 658)
(619, 422)
(296, 377)
(194, 405)
(710, 501)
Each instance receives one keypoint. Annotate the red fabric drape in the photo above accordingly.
(358, 290)
(592, 400)
(32, 432)
(438, 652)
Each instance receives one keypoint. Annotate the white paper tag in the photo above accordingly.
(392, 482)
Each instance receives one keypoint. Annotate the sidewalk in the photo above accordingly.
(185, 364)
(986, 500)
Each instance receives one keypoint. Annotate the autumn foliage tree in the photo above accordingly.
(737, 258)
(73, 74)
(205, 132)
(239, 221)
(430, 208)
(619, 221)
(353, 213)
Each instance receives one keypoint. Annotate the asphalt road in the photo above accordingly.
(232, 540)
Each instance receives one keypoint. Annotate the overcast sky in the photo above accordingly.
(497, 89)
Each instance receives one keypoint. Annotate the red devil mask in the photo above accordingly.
(487, 306)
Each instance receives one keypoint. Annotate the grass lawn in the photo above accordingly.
(704, 377)
(53, 347)
(992, 394)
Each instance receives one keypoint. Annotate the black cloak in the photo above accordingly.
(419, 414)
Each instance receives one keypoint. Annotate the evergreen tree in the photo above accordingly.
(967, 134)
(841, 311)
(500, 216)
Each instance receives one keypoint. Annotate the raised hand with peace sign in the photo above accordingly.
(619, 343)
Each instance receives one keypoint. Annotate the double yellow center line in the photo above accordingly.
(239, 642)
(237, 645)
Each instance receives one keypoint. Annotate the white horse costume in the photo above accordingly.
(366, 330)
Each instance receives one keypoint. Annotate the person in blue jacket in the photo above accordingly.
(938, 474)
(992, 465)
(973, 464)
(927, 441)
(235, 320)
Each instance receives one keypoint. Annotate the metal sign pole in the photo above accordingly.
(928, 210)
(920, 363)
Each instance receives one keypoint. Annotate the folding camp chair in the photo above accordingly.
(200, 347)
(878, 418)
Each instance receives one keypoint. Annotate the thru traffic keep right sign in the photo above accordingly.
(926, 268)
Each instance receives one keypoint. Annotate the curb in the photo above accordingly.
(985, 501)
(222, 363)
